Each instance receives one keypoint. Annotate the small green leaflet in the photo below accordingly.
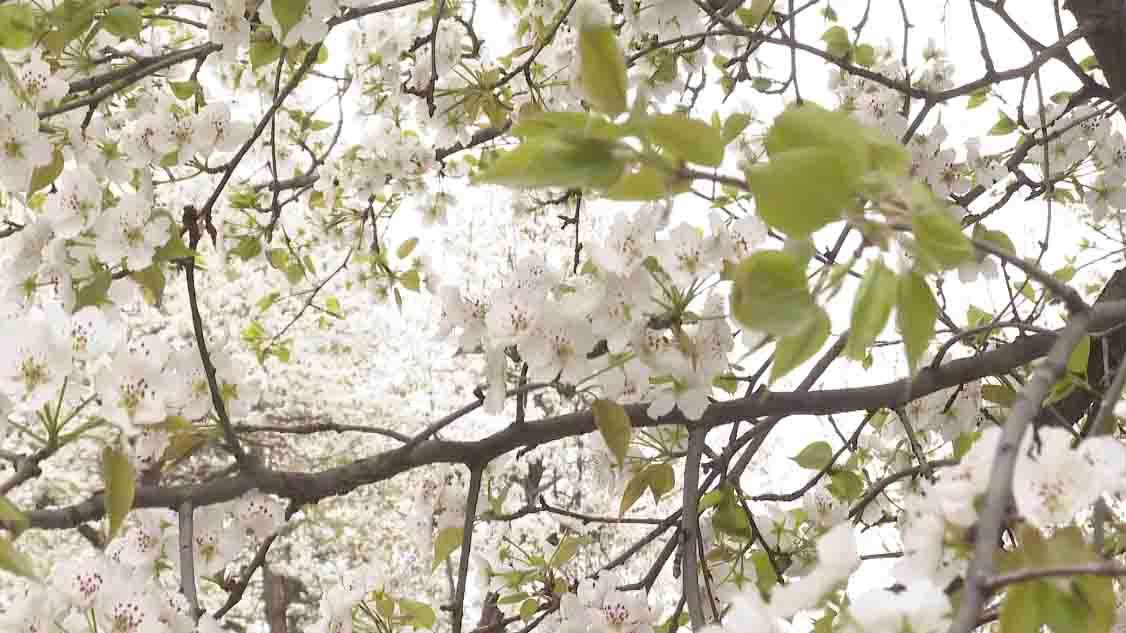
(770, 294)
(288, 13)
(687, 138)
(915, 315)
(602, 67)
(15, 561)
(120, 482)
(815, 456)
(447, 542)
(871, 308)
(613, 422)
(791, 351)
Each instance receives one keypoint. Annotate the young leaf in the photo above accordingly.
(124, 21)
(565, 551)
(15, 561)
(288, 13)
(44, 175)
(634, 489)
(406, 248)
(120, 486)
(939, 241)
(916, 312)
(12, 516)
(802, 190)
(447, 542)
(602, 67)
(662, 479)
(814, 456)
(17, 26)
(795, 349)
(613, 422)
(556, 162)
(871, 308)
(770, 294)
(687, 138)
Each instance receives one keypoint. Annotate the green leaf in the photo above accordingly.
(17, 26)
(871, 308)
(734, 126)
(996, 238)
(977, 97)
(647, 183)
(815, 456)
(184, 89)
(770, 294)
(11, 515)
(846, 485)
(963, 443)
(636, 487)
(555, 162)
(94, 292)
(1020, 609)
(528, 609)
(173, 249)
(264, 52)
(419, 615)
(1003, 126)
(120, 486)
(729, 516)
(1089, 63)
(785, 194)
(836, 41)
(152, 282)
(602, 67)
(864, 55)
(613, 422)
(1077, 362)
(248, 247)
(44, 175)
(410, 280)
(690, 139)
(124, 21)
(940, 243)
(916, 313)
(447, 542)
(15, 561)
(565, 551)
(288, 13)
(406, 248)
(562, 124)
(1001, 394)
(791, 351)
(662, 479)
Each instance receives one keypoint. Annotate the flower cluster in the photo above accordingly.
(133, 587)
(636, 296)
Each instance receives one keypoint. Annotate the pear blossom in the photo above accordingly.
(228, 26)
(40, 84)
(22, 146)
(1052, 484)
(559, 346)
(131, 390)
(130, 233)
(921, 607)
(76, 204)
(259, 514)
(215, 543)
(34, 359)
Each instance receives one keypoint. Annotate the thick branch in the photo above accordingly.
(992, 517)
(311, 487)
